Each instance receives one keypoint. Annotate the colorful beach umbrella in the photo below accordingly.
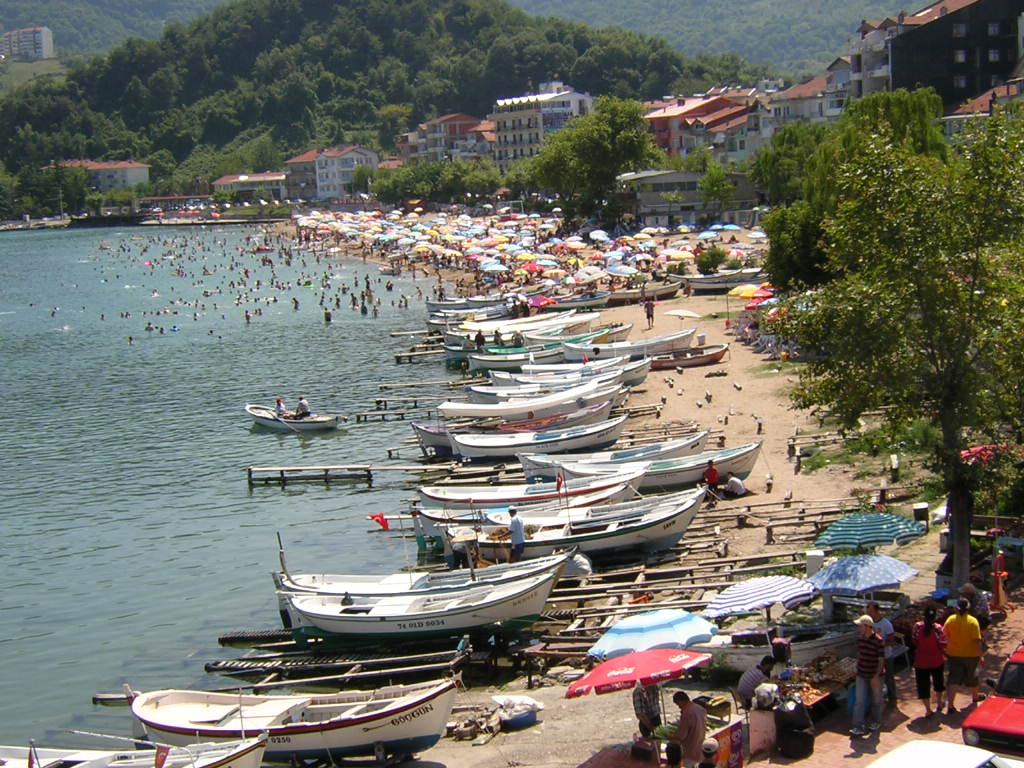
(862, 573)
(869, 530)
(757, 594)
(665, 628)
(644, 667)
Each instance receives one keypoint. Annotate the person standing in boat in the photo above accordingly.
(515, 528)
(302, 409)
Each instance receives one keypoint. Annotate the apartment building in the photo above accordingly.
(523, 123)
(817, 100)
(107, 175)
(253, 186)
(733, 130)
(660, 198)
(323, 174)
(960, 48)
(28, 44)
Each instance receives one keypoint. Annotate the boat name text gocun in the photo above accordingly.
(410, 716)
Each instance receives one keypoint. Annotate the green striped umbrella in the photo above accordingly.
(869, 529)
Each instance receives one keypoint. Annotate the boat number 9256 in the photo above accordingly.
(280, 739)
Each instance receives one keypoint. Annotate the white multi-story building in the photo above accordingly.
(523, 123)
(336, 167)
(29, 43)
(105, 175)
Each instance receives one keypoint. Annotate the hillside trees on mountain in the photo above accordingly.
(310, 73)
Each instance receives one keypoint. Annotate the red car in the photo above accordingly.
(998, 723)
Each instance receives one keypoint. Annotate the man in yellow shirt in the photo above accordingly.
(963, 651)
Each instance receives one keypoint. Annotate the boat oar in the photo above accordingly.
(293, 429)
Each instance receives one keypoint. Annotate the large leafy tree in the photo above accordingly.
(716, 191)
(923, 305)
(779, 168)
(581, 161)
(909, 118)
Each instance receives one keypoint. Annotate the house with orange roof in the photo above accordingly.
(326, 173)
(819, 99)
(732, 130)
(454, 136)
(961, 48)
(980, 107)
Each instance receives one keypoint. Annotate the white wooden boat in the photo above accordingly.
(738, 652)
(534, 408)
(690, 358)
(545, 466)
(393, 721)
(512, 361)
(648, 524)
(492, 393)
(631, 374)
(589, 367)
(616, 332)
(265, 416)
(722, 281)
(512, 605)
(433, 435)
(673, 473)
(577, 323)
(636, 295)
(591, 300)
(411, 582)
(659, 345)
(511, 325)
(483, 496)
(499, 446)
(247, 753)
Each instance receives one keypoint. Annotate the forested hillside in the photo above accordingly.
(258, 78)
(791, 35)
(97, 25)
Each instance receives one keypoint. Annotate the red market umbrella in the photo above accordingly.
(533, 267)
(644, 667)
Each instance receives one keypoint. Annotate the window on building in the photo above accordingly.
(994, 29)
(993, 55)
(960, 30)
(960, 81)
(743, 144)
(960, 56)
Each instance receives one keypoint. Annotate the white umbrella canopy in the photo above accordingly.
(683, 313)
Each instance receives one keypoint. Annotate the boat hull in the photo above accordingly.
(690, 358)
(633, 349)
(543, 466)
(589, 437)
(264, 417)
(411, 726)
(635, 295)
(740, 658)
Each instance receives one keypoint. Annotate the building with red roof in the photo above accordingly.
(326, 173)
(819, 99)
(733, 130)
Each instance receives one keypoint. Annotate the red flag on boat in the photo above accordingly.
(162, 752)
(380, 520)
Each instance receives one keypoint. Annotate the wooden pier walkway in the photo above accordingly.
(335, 472)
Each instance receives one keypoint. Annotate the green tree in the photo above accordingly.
(520, 178)
(581, 161)
(795, 233)
(710, 260)
(779, 168)
(924, 301)
(908, 119)
(362, 177)
(716, 190)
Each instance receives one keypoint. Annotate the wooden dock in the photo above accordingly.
(419, 354)
(334, 473)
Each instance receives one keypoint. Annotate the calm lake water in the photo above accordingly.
(130, 539)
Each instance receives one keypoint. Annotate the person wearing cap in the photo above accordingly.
(963, 652)
(709, 754)
(752, 678)
(888, 634)
(870, 669)
(515, 528)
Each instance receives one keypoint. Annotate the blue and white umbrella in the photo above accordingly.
(494, 266)
(756, 594)
(621, 270)
(707, 235)
(665, 628)
(869, 530)
(862, 573)
(732, 228)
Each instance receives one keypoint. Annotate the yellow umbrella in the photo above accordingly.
(746, 291)
(555, 273)
(642, 236)
(525, 257)
(575, 245)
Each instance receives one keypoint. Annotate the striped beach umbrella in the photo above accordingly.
(756, 594)
(862, 573)
(869, 529)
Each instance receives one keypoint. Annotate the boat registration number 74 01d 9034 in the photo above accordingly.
(421, 624)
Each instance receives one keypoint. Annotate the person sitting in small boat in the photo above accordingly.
(480, 340)
(279, 409)
(734, 487)
(518, 340)
(497, 337)
(302, 409)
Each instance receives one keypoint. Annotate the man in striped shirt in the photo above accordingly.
(870, 670)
